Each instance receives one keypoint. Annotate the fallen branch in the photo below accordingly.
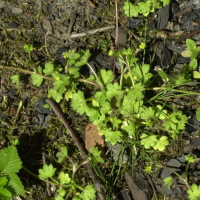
(93, 31)
(97, 183)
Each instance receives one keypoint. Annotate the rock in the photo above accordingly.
(175, 8)
(123, 195)
(177, 28)
(122, 35)
(139, 187)
(17, 11)
(163, 17)
(100, 60)
(151, 26)
(39, 106)
(133, 23)
(13, 25)
(2, 4)
(122, 158)
(174, 47)
(46, 24)
(59, 56)
(196, 142)
(41, 118)
(166, 57)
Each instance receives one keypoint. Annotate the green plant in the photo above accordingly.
(119, 107)
(144, 8)
(66, 182)
(193, 191)
(10, 164)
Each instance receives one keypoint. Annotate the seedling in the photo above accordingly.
(67, 183)
(144, 8)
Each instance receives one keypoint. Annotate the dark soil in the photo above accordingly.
(52, 26)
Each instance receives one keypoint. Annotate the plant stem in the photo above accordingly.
(38, 177)
(74, 172)
(25, 71)
(97, 183)
(159, 166)
(95, 74)
(86, 81)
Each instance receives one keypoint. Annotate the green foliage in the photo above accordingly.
(144, 8)
(37, 80)
(168, 181)
(10, 164)
(16, 79)
(194, 192)
(96, 154)
(192, 50)
(47, 171)
(190, 158)
(65, 181)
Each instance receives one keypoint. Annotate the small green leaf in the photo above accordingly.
(16, 79)
(190, 158)
(55, 95)
(96, 153)
(62, 155)
(196, 74)
(148, 169)
(194, 55)
(148, 140)
(5, 194)
(193, 64)
(111, 136)
(28, 47)
(64, 178)
(191, 45)
(168, 181)
(3, 181)
(130, 10)
(37, 80)
(88, 193)
(49, 68)
(186, 54)
(106, 77)
(198, 114)
(79, 103)
(162, 74)
(161, 143)
(68, 95)
(144, 7)
(47, 171)
(194, 192)
(61, 192)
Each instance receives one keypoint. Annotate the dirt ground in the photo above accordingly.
(56, 26)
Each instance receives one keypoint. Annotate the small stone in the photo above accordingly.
(47, 118)
(13, 25)
(39, 106)
(2, 4)
(175, 8)
(163, 17)
(59, 55)
(133, 23)
(122, 35)
(196, 142)
(177, 28)
(166, 57)
(16, 11)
